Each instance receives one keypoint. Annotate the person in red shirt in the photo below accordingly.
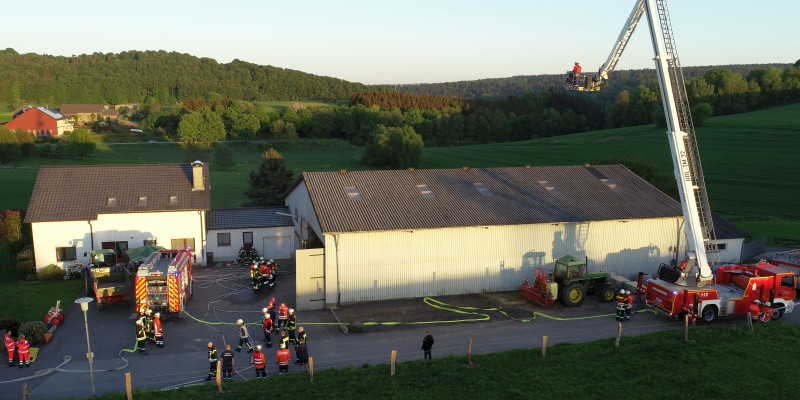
(283, 357)
(283, 316)
(11, 346)
(628, 304)
(260, 363)
(267, 326)
(23, 349)
(158, 333)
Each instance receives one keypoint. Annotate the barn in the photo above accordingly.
(377, 235)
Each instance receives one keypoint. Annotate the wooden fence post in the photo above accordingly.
(311, 368)
(685, 327)
(750, 321)
(394, 359)
(25, 391)
(619, 335)
(469, 353)
(544, 346)
(128, 389)
(219, 376)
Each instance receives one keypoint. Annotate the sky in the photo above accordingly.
(406, 41)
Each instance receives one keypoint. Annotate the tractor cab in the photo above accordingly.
(568, 268)
(104, 258)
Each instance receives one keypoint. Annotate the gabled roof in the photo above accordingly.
(50, 113)
(240, 218)
(81, 192)
(724, 229)
(353, 201)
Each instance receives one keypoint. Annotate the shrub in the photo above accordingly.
(25, 268)
(11, 325)
(34, 331)
(51, 272)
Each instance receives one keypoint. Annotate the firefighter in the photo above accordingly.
(291, 325)
(766, 312)
(301, 352)
(273, 267)
(628, 304)
(147, 321)
(260, 363)
(212, 361)
(301, 338)
(755, 309)
(284, 340)
(621, 306)
(265, 270)
(267, 326)
(283, 357)
(271, 308)
(11, 345)
(23, 350)
(227, 363)
(244, 337)
(254, 276)
(283, 316)
(158, 332)
(141, 336)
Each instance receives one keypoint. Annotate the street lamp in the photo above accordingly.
(84, 302)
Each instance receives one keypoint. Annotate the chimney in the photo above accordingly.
(197, 176)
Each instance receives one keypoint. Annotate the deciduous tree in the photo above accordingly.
(81, 143)
(203, 126)
(394, 147)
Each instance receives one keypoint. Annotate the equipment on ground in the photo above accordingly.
(688, 287)
(569, 282)
(110, 282)
(164, 281)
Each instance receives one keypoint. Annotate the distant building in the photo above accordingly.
(40, 122)
(88, 113)
(377, 235)
(266, 229)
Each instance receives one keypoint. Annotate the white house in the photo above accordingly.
(269, 230)
(75, 209)
(412, 233)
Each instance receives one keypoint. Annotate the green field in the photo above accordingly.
(714, 364)
(749, 161)
(283, 105)
(5, 118)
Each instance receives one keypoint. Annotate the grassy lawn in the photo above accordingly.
(657, 366)
(749, 162)
(5, 117)
(281, 106)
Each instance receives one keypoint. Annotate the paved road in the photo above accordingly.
(222, 295)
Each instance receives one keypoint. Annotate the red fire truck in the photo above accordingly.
(164, 282)
(736, 287)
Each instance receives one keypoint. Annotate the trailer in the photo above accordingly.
(164, 281)
(110, 283)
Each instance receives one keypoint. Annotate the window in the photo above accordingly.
(352, 193)
(247, 239)
(425, 191)
(149, 242)
(224, 239)
(722, 246)
(788, 281)
(142, 201)
(119, 247)
(182, 244)
(66, 254)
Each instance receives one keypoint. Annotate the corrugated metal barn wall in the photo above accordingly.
(436, 262)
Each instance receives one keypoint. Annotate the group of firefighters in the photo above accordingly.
(624, 305)
(263, 272)
(20, 346)
(275, 317)
(148, 328)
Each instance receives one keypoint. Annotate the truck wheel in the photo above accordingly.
(572, 295)
(777, 312)
(607, 292)
(709, 313)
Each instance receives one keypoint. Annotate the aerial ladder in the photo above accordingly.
(695, 269)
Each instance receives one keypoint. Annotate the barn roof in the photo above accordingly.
(240, 218)
(351, 201)
(81, 192)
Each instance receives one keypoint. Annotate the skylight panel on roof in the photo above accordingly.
(547, 185)
(353, 193)
(483, 189)
(142, 201)
(173, 200)
(111, 202)
(611, 184)
(425, 191)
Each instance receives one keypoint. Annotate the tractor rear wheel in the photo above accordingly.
(607, 292)
(573, 294)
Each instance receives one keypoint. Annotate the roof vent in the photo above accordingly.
(111, 202)
(142, 201)
(352, 193)
(425, 191)
(411, 169)
(527, 166)
(342, 171)
(173, 200)
(465, 168)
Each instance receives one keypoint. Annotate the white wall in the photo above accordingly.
(281, 237)
(397, 264)
(299, 203)
(134, 228)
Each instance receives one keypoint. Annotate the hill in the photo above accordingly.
(145, 76)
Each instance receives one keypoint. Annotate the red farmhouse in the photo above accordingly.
(41, 121)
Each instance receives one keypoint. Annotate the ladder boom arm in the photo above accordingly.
(622, 41)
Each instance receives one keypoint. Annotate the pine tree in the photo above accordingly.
(269, 184)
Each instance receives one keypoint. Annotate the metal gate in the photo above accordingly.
(310, 275)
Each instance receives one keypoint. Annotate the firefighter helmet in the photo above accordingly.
(627, 292)
(756, 301)
(138, 322)
(622, 291)
(766, 303)
(157, 315)
(264, 310)
(239, 322)
(291, 311)
(283, 346)
(258, 347)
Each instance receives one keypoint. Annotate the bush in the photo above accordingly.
(51, 272)
(11, 325)
(34, 331)
(25, 268)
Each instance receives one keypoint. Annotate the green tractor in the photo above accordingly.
(574, 282)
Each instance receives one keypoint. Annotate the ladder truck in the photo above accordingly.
(691, 286)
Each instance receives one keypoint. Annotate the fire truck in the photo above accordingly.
(692, 287)
(163, 283)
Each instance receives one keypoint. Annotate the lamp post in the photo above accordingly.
(84, 302)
